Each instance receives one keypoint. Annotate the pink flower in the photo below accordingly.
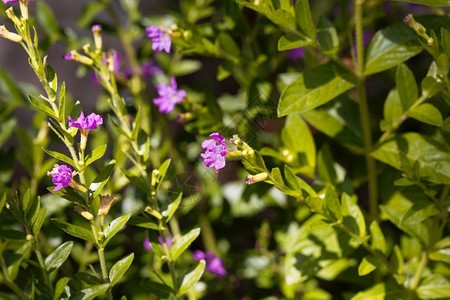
(148, 246)
(14, 1)
(67, 56)
(169, 96)
(213, 263)
(61, 176)
(160, 39)
(89, 122)
(216, 149)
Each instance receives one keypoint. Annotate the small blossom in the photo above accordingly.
(213, 263)
(169, 96)
(251, 179)
(89, 122)
(5, 33)
(160, 39)
(61, 176)
(216, 149)
(67, 56)
(148, 245)
(297, 53)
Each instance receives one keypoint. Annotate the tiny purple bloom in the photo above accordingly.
(148, 245)
(216, 149)
(61, 176)
(169, 96)
(213, 263)
(96, 27)
(160, 39)
(14, 1)
(89, 122)
(297, 53)
(67, 56)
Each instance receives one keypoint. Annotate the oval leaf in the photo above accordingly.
(55, 259)
(192, 278)
(183, 243)
(115, 226)
(120, 268)
(75, 230)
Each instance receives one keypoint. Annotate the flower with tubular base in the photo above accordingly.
(61, 176)
(160, 39)
(85, 124)
(169, 96)
(213, 263)
(216, 149)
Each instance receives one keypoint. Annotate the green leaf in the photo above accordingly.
(378, 241)
(327, 36)
(60, 287)
(406, 86)
(297, 183)
(47, 20)
(430, 86)
(157, 246)
(397, 261)
(228, 44)
(445, 126)
(340, 122)
(353, 218)
(143, 222)
(136, 125)
(172, 208)
(90, 11)
(162, 172)
(392, 110)
(366, 266)
(88, 278)
(426, 113)
(120, 268)
(316, 204)
(314, 88)
(301, 149)
(332, 204)
(432, 158)
(55, 259)
(390, 47)
(2, 201)
(6, 129)
(62, 103)
(186, 67)
(192, 278)
(75, 230)
(61, 157)
(282, 18)
(160, 290)
(385, 290)
(12, 234)
(304, 19)
(325, 165)
(92, 292)
(102, 178)
(434, 286)
(94, 155)
(115, 226)
(183, 243)
(288, 42)
(42, 107)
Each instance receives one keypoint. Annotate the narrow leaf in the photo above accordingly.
(183, 243)
(55, 259)
(192, 278)
(120, 268)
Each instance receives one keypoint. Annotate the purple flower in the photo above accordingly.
(96, 27)
(148, 246)
(61, 176)
(67, 56)
(169, 96)
(160, 39)
(14, 1)
(216, 149)
(89, 122)
(213, 263)
(297, 53)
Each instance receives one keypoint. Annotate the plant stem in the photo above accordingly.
(171, 264)
(44, 270)
(364, 114)
(101, 258)
(420, 268)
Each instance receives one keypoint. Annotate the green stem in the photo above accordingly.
(420, 268)
(11, 284)
(101, 258)
(44, 269)
(364, 114)
(208, 237)
(171, 264)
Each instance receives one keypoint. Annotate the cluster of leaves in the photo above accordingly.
(303, 233)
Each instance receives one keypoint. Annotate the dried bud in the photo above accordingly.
(105, 204)
(251, 179)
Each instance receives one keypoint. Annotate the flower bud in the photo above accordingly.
(251, 179)
(418, 28)
(4, 33)
(84, 213)
(97, 32)
(12, 16)
(153, 212)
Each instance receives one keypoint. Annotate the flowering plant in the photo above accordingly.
(253, 149)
